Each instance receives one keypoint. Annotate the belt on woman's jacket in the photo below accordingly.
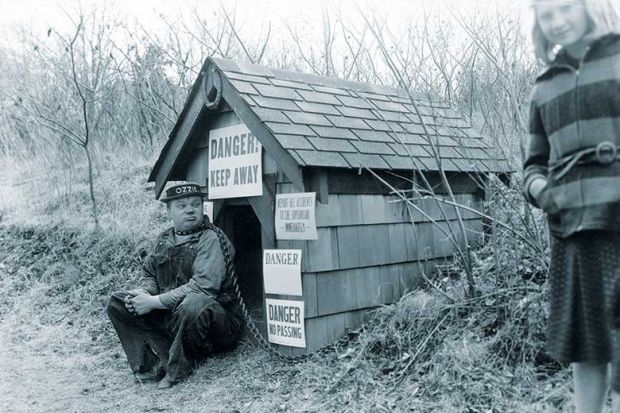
(604, 153)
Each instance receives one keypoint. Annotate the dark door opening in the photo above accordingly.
(244, 230)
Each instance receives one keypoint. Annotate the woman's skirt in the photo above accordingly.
(583, 275)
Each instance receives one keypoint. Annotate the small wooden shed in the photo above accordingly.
(319, 134)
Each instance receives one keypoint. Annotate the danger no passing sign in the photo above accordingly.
(285, 322)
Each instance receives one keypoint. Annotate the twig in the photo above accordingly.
(401, 375)
(350, 367)
(483, 215)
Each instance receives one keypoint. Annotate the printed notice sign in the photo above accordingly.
(295, 218)
(285, 322)
(235, 163)
(208, 209)
(282, 272)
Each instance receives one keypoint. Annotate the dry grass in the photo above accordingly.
(423, 353)
(428, 352)
(36, 193)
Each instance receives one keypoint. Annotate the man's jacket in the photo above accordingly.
(574, 127)
(197, 265)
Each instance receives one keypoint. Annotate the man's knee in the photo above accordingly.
(208, 326)
(193, 304)
(204, 317)
(116, 304)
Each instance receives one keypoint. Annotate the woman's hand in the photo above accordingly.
(543, 197)
(536, 187)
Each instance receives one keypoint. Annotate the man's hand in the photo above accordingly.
(142, 303)
(136, 291)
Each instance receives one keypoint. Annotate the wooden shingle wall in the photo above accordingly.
(372, 247)
(371, 250)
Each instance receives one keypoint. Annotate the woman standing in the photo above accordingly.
(572, 172)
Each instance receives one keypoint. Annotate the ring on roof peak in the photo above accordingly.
(213, 89)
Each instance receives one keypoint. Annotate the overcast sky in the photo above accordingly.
(39, 15)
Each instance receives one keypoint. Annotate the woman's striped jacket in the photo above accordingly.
(576, 106)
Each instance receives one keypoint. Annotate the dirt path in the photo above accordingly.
(33, 382)
(36, 379)
(48, 381)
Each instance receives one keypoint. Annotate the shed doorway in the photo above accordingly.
(243, 228)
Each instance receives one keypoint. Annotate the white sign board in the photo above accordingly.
(235, 163)
(282, 272)
(208, 209)
(295, 218)
(285, 322)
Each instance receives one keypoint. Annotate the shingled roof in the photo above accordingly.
(330, 122)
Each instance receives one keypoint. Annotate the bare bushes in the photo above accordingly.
(425, 354)
(437, 349)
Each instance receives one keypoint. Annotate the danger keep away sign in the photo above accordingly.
(235, 163)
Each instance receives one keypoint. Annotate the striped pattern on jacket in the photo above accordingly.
(576, 105)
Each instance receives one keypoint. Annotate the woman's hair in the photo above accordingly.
(604, 16)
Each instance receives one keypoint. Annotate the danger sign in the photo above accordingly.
(285, 322)
(282, 271)
(235, 163)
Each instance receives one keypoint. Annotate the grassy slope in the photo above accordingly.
(421, 354)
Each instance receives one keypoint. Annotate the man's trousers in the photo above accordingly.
(195, 328)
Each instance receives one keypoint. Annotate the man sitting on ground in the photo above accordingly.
(185, 306)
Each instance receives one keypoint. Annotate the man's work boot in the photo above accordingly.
(149, 376)
(165, 383)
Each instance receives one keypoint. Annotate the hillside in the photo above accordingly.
(95, 92)
(432, 351)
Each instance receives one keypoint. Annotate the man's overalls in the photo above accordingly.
(197, 326)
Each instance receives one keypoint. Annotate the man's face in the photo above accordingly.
(186, 213)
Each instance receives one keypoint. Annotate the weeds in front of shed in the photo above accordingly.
(437, 349)
(431, 351)
(434, 350)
